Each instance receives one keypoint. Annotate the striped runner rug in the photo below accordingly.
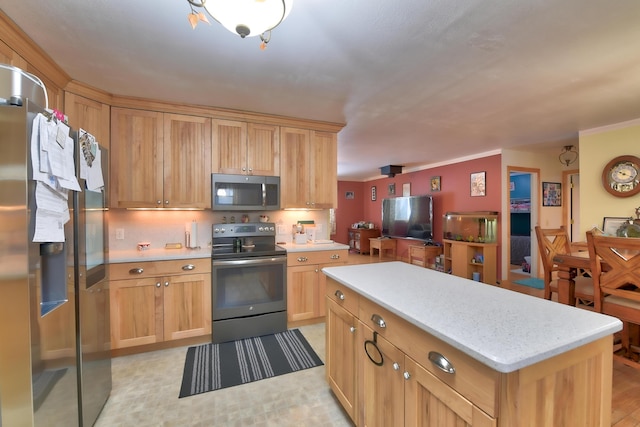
(210, 367)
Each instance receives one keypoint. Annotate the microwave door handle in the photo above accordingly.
(264, 194)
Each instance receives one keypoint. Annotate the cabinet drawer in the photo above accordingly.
(342, 295)
(472, 379)
(132, 270)
(317, 257)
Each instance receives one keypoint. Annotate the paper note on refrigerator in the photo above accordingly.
(52, 214)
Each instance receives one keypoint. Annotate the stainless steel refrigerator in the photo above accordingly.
(55, 367)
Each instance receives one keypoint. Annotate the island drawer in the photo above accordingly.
(342, 296)
(475, 381)
(317, 257)
(134, 270)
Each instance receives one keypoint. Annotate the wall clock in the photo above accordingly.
(621, 176)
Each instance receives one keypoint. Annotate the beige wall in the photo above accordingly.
(597, 148)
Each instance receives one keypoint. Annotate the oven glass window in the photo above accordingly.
(259, 286)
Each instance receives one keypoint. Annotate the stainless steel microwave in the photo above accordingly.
(244, 192)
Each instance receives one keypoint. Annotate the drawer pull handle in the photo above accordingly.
(335, 256)
(188, 267)
(339, 295)
(378, 320)
(441, 362)
(136, 270)
(302, 259)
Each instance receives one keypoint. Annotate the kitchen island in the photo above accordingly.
(455, 350)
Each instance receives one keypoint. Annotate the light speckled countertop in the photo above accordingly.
(161, 254)
(503, 329)
(307, 247)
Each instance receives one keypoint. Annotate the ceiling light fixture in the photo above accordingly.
(246, 18)
(568, 155)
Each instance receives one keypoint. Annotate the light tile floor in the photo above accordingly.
(146, 386)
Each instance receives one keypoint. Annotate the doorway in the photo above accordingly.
(522, 250)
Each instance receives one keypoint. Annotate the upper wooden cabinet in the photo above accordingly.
(90, 115)
(245, 148)
(159, 160)
(309, 162)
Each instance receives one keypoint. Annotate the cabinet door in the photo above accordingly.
(341, 356)
(294, 165)
(302, 292)
(263, 150)
(431, 403)
(323, 179)
(136, 312)
(187, 306)
(229, 153)
(186, 166)
(381, 396)
(460, 260)
(90, 115)
(136, 159)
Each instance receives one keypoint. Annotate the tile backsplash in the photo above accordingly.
(161, 227)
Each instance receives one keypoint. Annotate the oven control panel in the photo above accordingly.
(246, 229)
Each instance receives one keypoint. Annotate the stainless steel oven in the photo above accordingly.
(249, 282)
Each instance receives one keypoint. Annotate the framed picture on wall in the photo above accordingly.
(392, 189)
(551, 194)
(349, 195)
(435, 183)
(406, 189)
(373, 193)
(478, 184)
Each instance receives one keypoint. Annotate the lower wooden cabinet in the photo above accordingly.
(381, 388)
(159, 301)
(306, 283)
(428, 402)
(341, 355)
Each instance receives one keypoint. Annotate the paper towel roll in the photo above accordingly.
(194, 234)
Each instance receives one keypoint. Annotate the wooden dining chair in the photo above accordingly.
(615, 265)
(552, 241)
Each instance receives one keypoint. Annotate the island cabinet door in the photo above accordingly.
(430, 402)
(381, 385)
(341, 356)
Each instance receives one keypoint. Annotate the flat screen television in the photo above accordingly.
(408, 217)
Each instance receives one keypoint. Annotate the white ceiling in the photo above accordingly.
(416, 82)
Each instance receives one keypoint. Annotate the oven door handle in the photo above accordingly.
(251, 261)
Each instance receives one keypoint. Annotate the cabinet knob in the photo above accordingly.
(317, 270)
(396, 366)
(166, 284)
(378, 320)
(166, 202)
(158, 285)
(352, 329)
(159, 202)
(339, 295)
(406, 375)
(244, 169)
(188, 267)
(441, 362)
(136, 270)
(335, 256)
(250, 170)
(303, 259)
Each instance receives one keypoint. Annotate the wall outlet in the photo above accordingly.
(119, 233)
(281, 229)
